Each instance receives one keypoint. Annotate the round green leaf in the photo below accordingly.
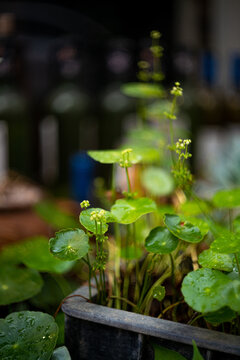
(69, 244)
(157, 181)
(227, 243)
(61, 353)
(35, 254)
(159, 292)
(212, 260)
(161, 241)
(183, 230)
(148, 155)
(90, 225)
(142, 90)
(204, 288)
(113, 156)
(200, 223)
(18, 284)
(127, 211)
(223, 315)
(227, 198)
(27, 335)
(232, 294)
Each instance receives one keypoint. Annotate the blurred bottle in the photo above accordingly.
(68, 107)
(15, 121)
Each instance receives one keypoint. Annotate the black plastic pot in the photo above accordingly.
(94, 332)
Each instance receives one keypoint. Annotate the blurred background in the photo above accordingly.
(61, 68)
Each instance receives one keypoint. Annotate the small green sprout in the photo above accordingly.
(85, 204)
(155, 34)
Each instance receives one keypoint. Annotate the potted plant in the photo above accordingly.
(155, 268)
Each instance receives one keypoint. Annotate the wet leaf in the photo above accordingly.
(183, 230)
(113, 156)
(142, 90)
(159, 292)
(18, 284)
(127, 211)
(207, 290)
(161, 241)
(227, 243)
(212, 260)
(200, 223)
(227, 198)
(157, 181)
(61, 353)
(70, 244)
(27, 335)
(90, 225)
(222, 315)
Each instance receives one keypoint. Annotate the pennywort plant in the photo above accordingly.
(178, 260)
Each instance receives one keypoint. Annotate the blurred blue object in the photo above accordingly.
(209, 68)
(236, 70)
(82, 169)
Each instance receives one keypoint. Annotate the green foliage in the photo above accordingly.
(142, 90)
(227, 243)
(72, 244)
(207, 290)
(61, 353)
(131, 252)
(227, 198)
(27, 335)
(214, 260)
(161, 241)
(161, 353)
(18, 284)
(159, 292)
(34, 253)
(196, 353)
(57, 218)
(183, 230)
(112, 156)
(90, 225)
(157, 181)
(127, 211)
(220, 316)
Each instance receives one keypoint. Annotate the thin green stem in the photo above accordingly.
(195, 319)
(128, 180)
(237, 262)
(124, 299)
(117, 264)
(89, 277)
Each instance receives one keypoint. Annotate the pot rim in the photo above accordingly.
(159, 328)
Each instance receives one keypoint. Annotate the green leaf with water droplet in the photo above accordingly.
(90, 225)
(227, 243)
(162, 353)
(71, 244)
(183, 230)
(207, 290)
(196, 353)
(157, 181)
(224, 314)
(142, 90)
(113, 156)
(161, 241)
(18, 284)
(27, 335)
(213, 260)
(159, 292)
(61, 353)
(127, 211)
(227, 198)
